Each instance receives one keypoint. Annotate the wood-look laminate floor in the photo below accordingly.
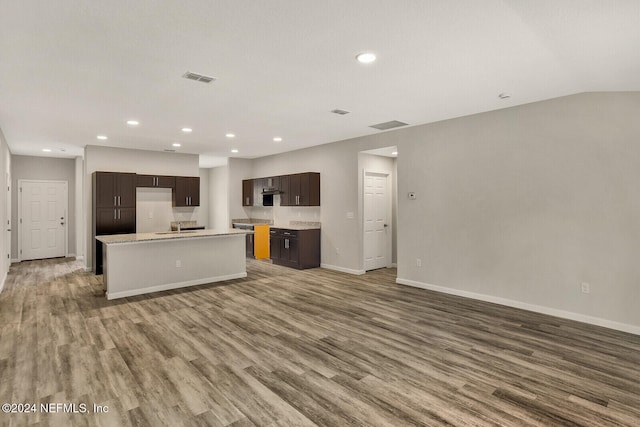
(290, 348)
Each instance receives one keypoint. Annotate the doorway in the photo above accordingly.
(376, 220)
(42, 213)
(8, 228)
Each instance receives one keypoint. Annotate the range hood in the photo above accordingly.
(271, 191)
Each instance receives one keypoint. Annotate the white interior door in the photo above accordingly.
(375, 220)
(43, 219)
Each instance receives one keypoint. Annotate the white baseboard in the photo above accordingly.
(169, 286)
(14, 260)
(597, 321)
(4, 277)
(80, 258)
(342, 269)
(394, 265)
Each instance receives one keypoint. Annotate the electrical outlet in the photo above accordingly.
(337, 251)
(418, 262)
(178, 263)
(586, 288)
(150, 214)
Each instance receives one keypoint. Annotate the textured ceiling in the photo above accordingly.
(70, 70)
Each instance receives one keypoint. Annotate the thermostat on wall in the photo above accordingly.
(412, 195)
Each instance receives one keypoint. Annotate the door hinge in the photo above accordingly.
(21, 189)
(20, 220)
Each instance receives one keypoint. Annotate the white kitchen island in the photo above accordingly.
(141, 263)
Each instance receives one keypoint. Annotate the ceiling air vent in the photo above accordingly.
(169, 150)
(388, 125)
(198, 77)
(339, 111)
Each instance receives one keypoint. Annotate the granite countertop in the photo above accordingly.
(166, 235)
(252, 221)
(293, 225)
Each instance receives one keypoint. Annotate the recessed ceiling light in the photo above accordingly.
(395, 153)
(366, 57)
(504, 95)
(46, 150)
(133, 122)
(102, 137)
(234, 151)
(277, 139)
(230, 135)
(177, 144)
(187, 130)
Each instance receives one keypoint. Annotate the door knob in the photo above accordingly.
(62, 223)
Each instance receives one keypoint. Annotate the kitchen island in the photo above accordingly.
(141, 263)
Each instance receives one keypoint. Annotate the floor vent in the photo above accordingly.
(388, 125)
(198, 77)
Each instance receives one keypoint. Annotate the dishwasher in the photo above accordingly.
(249, 242)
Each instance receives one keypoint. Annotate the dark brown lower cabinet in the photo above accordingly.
(295, 248)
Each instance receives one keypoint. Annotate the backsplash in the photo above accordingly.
(285, 214)
(155, 211)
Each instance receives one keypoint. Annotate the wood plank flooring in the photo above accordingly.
(301, 348)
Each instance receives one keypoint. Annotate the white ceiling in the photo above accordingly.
(73, 69)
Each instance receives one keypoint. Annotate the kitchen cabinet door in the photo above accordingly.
(114, 189)
(126, 190)
(285, 199)
(275, 242)
(247, 192)
(187, 191)
(155, 181)
(105, 189)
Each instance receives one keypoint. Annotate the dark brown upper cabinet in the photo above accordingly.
(247, 192)
(187, 191)
(158, 181)
(115, 189)
(300, 189)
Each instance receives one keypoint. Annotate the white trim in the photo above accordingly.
(342, 269)
(4, 277)
(14, 260)
(168, 286)
(597, 321)
(80, 258)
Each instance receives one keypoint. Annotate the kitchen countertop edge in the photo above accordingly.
(148, 237)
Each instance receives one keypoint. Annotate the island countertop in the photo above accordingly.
(167, 235)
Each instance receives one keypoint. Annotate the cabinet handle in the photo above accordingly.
(286, 243)
(119, 201)
(115, 201)
(156, 179)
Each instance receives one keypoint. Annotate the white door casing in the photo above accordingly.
(375, 221)
(8, 225)
(43, 219)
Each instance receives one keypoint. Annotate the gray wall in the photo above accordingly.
(524, 204)
(5, 201)
(219, 197)
(44, 168)
(97, 158)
